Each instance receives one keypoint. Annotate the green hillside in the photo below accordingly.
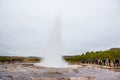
(113, 53)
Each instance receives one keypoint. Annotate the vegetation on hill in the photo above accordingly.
(113, 53)
(15, 59)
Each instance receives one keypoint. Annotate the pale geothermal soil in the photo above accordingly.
(30, 72)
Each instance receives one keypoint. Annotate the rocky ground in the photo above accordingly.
(31, 72)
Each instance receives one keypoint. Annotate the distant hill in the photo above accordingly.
(111, 54)
(115, 49)
(14, 59)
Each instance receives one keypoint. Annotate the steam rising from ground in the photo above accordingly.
(53, 56)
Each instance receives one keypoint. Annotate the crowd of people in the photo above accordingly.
(105, 62)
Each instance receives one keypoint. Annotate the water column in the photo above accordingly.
(53, 55)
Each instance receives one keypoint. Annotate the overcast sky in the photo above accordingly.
(87, 25)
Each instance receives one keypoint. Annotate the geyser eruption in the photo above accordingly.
(53, 57)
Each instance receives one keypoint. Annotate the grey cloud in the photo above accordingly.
(87, 25)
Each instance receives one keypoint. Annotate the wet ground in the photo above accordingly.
(30, 72)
